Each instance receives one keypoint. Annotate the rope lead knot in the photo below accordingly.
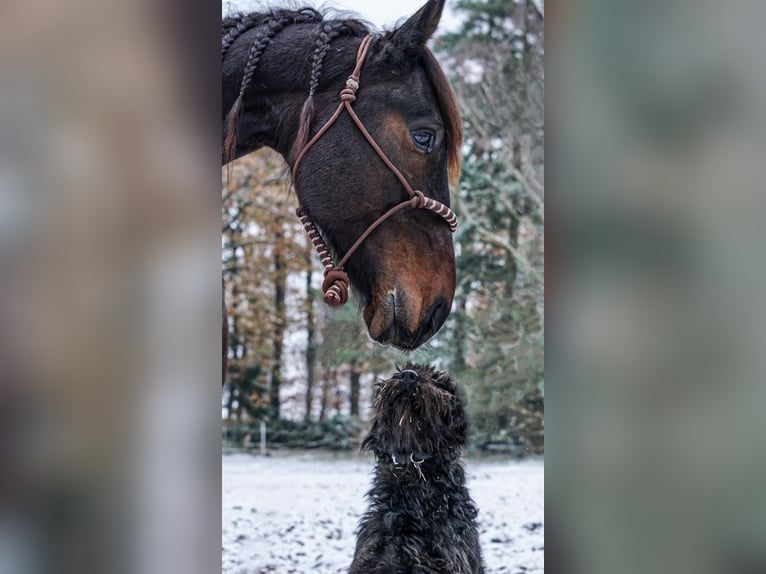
(335, 287)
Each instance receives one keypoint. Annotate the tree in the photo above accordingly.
(310, 333)
(347, 351)
(263, 245)
(495, 333)
(292, 358)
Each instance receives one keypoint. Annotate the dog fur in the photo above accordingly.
(421, 518)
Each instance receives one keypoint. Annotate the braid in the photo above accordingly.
(256, 50)
(233, 28)
(274, 24)
(325, 35)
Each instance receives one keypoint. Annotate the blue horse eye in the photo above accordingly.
(424, 139)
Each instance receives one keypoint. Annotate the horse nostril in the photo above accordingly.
(409, 377)
(435, 316)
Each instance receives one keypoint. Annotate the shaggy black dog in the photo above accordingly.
(421, 519)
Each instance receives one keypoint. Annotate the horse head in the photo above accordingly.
(404, 272)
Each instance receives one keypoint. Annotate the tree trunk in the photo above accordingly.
(459, 333)
(280, 280)
(238, 408)
(233, 368)
(310, 349)
(230, 404)
(325, 400)
(354, 396)
(224, 334)
(513, 268)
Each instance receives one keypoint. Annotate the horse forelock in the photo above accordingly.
(450, 111)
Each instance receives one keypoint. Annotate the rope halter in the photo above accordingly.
(335, 284)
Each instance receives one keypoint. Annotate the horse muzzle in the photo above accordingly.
(404, 321)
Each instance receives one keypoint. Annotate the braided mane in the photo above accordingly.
(268, 24)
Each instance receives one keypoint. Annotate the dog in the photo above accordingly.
(421, 518)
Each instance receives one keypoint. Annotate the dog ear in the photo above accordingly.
(411, 36)
(445, 380)
(370, 441)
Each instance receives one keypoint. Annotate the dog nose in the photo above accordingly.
(409, 377)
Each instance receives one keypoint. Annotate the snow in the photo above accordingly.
(297, 513)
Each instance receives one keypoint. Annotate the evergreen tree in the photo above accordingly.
(495, 332)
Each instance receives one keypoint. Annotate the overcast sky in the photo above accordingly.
(382, 13)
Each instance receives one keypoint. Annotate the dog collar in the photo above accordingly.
(403, 459)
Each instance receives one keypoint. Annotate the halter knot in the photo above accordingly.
(335, 287)
(418, 199)
(348, 94)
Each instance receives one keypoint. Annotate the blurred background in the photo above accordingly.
(307, 370)
(109, 287)
(655, 446)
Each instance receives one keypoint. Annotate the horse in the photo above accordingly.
(371, 131)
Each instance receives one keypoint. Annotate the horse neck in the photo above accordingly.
(269, 120)
(280, 86)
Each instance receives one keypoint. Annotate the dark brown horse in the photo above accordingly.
(284, 70)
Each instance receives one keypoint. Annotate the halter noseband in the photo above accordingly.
(335, 284)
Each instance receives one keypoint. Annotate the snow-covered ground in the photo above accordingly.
(297, 513)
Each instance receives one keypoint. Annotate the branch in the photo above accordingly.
(500, 242)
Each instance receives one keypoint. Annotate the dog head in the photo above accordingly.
(418, 413)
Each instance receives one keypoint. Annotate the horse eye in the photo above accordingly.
(424, 139)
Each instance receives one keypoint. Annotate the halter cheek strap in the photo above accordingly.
(335, 284)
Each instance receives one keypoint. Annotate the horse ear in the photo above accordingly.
(415, 32)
